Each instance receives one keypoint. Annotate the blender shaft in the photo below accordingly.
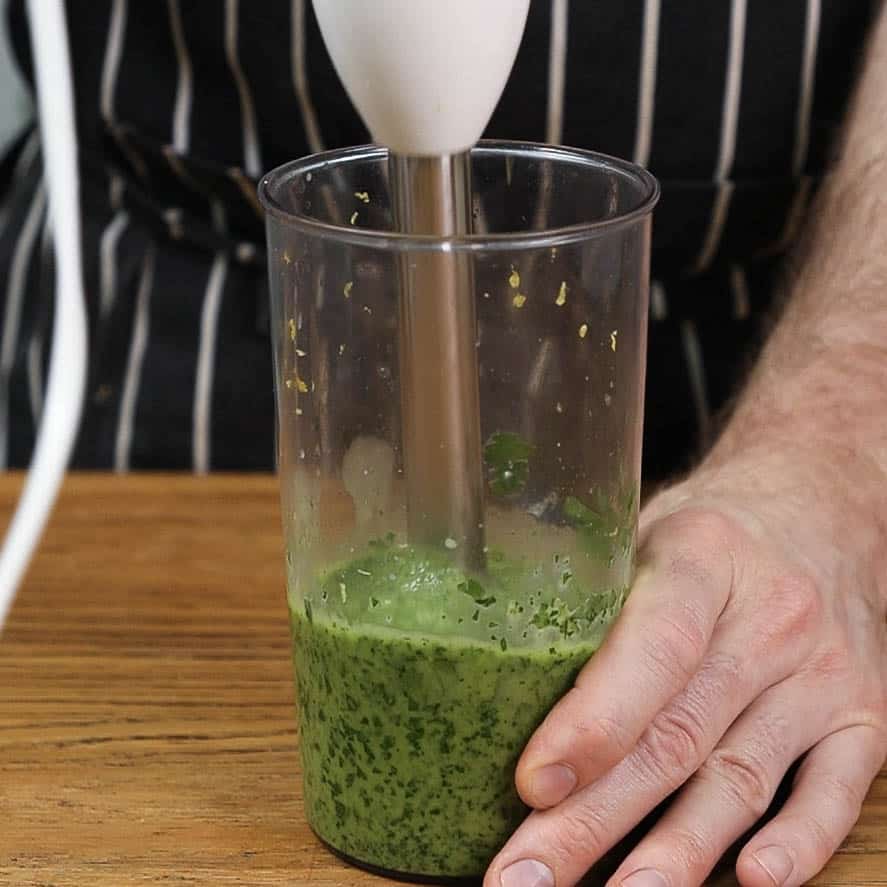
(440, 404)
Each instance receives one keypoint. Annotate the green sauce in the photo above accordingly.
(418, 688)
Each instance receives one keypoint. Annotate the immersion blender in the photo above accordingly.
(425, 77)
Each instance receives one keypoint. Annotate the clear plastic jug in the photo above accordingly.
(422, 671)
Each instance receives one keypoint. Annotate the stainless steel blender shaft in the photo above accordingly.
(440, 405)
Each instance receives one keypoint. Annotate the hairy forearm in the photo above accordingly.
(810, 429)
(822, 378)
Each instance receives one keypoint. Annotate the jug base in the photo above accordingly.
(407, 877)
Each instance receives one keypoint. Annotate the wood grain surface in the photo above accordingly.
(147, 730)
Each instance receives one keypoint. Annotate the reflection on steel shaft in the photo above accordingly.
(438, 359)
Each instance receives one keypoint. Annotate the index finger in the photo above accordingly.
(649, 656)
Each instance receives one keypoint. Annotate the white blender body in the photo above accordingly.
(425, 75)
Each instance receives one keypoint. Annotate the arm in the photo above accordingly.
(819, 391)
(755, 632)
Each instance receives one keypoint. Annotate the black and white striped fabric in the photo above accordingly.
(182, 104)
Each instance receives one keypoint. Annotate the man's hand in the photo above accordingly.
(754, 635)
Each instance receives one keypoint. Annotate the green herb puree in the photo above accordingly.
(418, 688)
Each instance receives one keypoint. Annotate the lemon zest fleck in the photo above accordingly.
(346, 290)
(362, 195)
(561, 299)
(519, 300)
(514, 279)
(613, 339)
(583, 331)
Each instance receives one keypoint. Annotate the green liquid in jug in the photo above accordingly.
(418, 688)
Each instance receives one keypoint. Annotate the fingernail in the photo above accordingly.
(775, 862)
(527, 873)
(551, 784)
(645, 878)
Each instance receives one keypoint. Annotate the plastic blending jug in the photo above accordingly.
(426, 651)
